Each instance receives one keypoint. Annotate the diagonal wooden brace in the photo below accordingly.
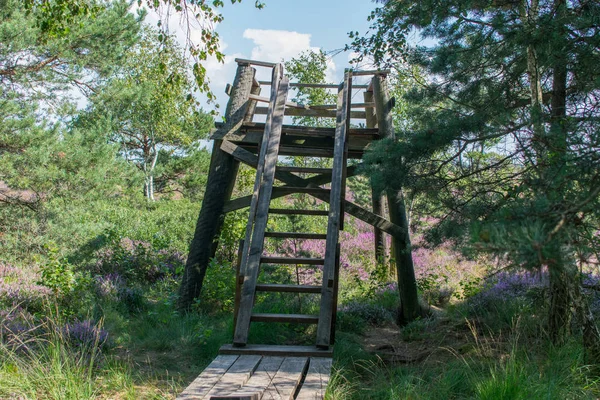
(291, 179)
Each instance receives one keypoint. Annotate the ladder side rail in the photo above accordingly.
(345, 158)
(262, 213)
(333, 226)
(276, 77)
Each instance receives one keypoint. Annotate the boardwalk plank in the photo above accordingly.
(208, 378)
(315, 382)
(237, 375)
(260, 381)
(287, 379)
(276, 350)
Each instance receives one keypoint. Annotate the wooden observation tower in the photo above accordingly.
(251, 371)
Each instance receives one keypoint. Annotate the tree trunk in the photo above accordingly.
(562, 281)
(378, 237)
(563, 274)
(221, 179)
(565, 290)
(409, 308)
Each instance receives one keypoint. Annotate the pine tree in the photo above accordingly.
(39, 156)
(507, 133)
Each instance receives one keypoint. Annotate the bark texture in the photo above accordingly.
(410, 308)
(379, 238)
(221, 179)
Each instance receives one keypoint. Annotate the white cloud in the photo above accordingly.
(264, 45)
(275, 45)
(278, 46)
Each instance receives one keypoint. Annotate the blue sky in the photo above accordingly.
(328, 22)
(282, 30)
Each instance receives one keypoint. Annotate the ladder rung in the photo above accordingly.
(296, 235)
(293, 318)
(291, 211)
(293, 189)
(305, 169)
(292, 260)
(279, 288)
(305, 151)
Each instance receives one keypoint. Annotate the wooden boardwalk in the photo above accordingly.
(255, 377)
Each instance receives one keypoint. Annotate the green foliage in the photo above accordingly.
(504, 134)
(479, 145)
(218, 288)
(89, 48)
(469, 287)
(310, 67)
(148, 109)
(56, 273)
(234, 228)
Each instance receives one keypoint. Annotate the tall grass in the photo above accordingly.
(45, 362)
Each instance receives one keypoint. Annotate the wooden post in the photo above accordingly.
(221, 179)
(335, 209)
(379, 242)
(239, 280)
(255, 90)
(335, 293)
(401, 249)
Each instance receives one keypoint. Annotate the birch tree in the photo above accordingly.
(148, 108)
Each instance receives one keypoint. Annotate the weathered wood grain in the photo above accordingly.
(287, 288)
(301, 112)
(284, 384)
(200, 387)
(262, 378)
(316, 380)
(292, 260)
(285, 318)
(287, 103)
(407, 284)
(296, 235)
(335, 210)
(258, 127)
(276, 350)
(371, 72)
(237, 375)
(379, 240)
(316, 85)
(293, 211)
(291, 179)
(276, 77)
(267, 177)
(255, 62)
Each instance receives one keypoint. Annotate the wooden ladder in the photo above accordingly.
(252, 254)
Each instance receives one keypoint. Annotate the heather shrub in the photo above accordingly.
(85, 335)
(363, 313)
(17, 326)
(113, 289)
(19, 287)
(136, 260)
(504, 287)
(56, 362)
(444, 274)
(131, 299)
